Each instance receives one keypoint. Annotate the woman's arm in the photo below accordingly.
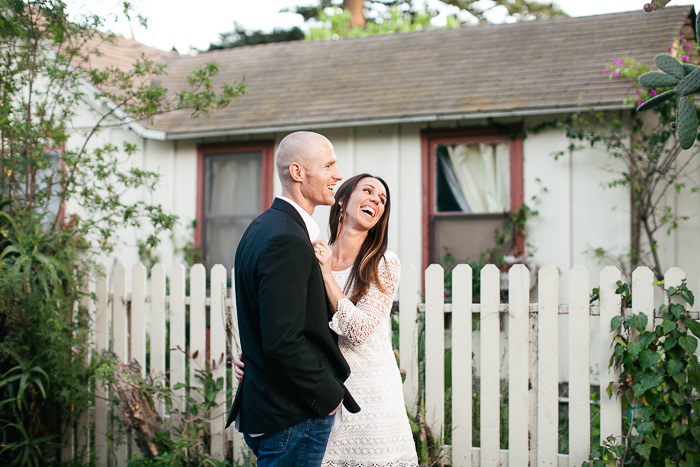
(324, 255)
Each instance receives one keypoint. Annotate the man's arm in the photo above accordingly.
(285, 268)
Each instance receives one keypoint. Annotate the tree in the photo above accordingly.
(518, 10)
(653, 159)
(48, 159)
(240, 37)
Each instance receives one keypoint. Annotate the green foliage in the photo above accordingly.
(240, 37)
(183, 440)
(659, 377)
(51, 162)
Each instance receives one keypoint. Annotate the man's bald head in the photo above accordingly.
(300, 147)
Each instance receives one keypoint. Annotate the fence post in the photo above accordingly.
(178, 349)
(217, 337)
(579, 365)
(490, 366)
(610, 303)
(462, 366)
(120, 347)
(518, 365)
(198, 326)
(102, 326)
(435, 349)
(408, 314)
(158, 328)
(548, 367)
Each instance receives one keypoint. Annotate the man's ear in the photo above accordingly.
(295, 172)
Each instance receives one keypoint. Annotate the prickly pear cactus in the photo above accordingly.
(684, 77)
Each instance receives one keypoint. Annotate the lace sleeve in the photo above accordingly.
(356, 322)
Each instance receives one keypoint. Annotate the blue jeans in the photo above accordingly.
(301, 445)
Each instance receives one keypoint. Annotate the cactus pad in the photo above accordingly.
(670, 65)
(689, 67)
(690, 84)
(687, 120)
(657, 79)
(656, 100)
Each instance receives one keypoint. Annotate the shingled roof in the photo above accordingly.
(517, 69)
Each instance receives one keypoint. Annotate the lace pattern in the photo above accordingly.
(379, 435)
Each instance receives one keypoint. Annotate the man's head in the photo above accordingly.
(306, 164)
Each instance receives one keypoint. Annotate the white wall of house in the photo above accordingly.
(577, 212)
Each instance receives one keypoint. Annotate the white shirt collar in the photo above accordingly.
(312, 227)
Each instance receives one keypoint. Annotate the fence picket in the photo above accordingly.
(217, 357)
(462, 365)
(178, 334)
(120, 343)
(490, 359)
(138, 326)
(579, 366)
(238, 443)
(518, 365)
(102, 326)
(158, 327)
(83, 447)
(610, 302)
(408, 350)
(548, 367)
(198, 326)
(435, 348)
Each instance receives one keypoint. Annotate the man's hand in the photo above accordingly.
(336, 409)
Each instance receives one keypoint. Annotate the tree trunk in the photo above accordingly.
(357, 15)
(141, 418)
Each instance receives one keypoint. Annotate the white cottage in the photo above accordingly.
(442, 115)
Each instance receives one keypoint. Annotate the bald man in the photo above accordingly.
(294, 373)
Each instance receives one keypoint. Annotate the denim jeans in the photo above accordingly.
(301, 445)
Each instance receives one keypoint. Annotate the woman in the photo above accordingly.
(361, 278)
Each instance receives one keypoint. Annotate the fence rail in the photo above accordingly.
(126, 318)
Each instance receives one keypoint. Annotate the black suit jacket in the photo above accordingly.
(293, 368)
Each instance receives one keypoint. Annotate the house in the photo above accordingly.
(444, 116)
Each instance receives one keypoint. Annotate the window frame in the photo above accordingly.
(266, 147)
(467, 135)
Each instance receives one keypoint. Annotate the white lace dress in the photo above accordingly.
(379, 434)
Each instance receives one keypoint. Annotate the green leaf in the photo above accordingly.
(650, 381)
(676, 310)
(677, 398)
(673, 366)
(615, 322)
(693, 325)
(644, 427)
(694, 378)
(689, 343)
(646, 338)
(648, 358)
(678, 428)
(687, 295)
(608, 390)
(634, 348)
(670, 343)
(639, 322)
(621, 340)
(643, 450)
(669, 326)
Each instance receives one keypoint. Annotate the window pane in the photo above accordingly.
(232, 199)
(233, 184)
(222, 239)
(473, 177)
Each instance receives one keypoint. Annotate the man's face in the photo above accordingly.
(321, 176)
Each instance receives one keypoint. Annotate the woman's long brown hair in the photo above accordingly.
(365, 269)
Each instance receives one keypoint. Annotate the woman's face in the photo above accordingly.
(366, 204)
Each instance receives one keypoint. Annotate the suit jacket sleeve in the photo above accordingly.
(285, 268)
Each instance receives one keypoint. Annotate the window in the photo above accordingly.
(235, 186)
(473, 179)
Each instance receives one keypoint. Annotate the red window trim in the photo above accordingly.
(429, 138)
(267, 148)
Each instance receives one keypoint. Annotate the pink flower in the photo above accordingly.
(618, 61)
(687, 46)
(607, 70)
(668, 48)
(686, 58)
(652, 93)
(640, 102)
(616, 73)
(682, 37)
(639, 91)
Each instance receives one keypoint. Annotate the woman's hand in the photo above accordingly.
(238, 367)
(324, 255)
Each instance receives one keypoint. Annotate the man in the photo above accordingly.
(293, 385)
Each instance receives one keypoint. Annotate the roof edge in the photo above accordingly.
(389, 121)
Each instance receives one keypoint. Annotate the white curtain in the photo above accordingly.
(483, 173)
(234, 185)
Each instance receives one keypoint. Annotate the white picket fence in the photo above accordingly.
(123, 320)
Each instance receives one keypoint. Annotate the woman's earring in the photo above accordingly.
(340, 217)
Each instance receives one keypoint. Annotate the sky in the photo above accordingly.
(192, 25)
